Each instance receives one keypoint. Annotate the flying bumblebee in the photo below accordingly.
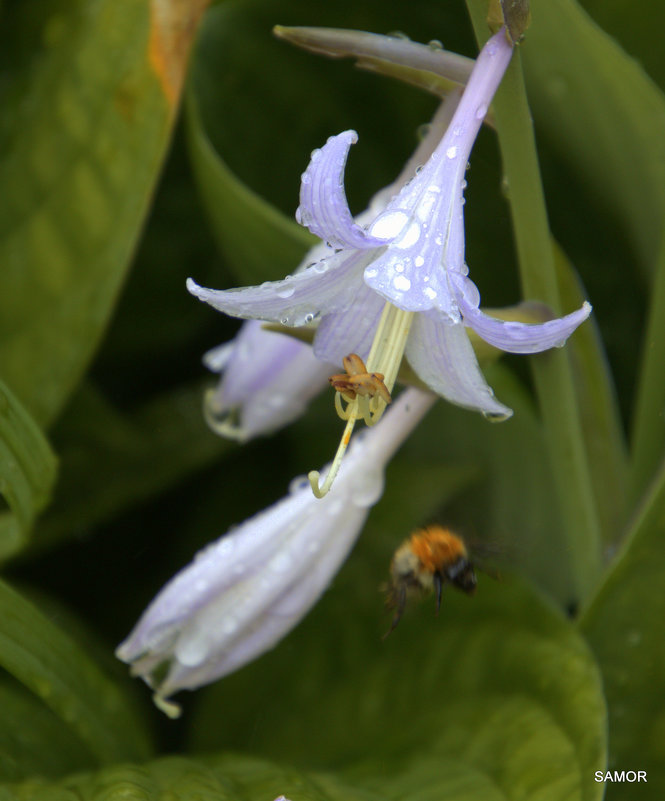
(423, 563)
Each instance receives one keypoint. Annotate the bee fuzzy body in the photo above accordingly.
(428, 559)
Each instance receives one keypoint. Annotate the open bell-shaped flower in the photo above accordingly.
(398, 285)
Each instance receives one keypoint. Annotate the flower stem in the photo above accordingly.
(552, 371)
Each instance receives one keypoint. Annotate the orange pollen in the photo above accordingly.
(357, 381)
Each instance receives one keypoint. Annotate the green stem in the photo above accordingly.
(552, 371)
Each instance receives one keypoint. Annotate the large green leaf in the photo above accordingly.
(27, 472)
(112, 462)
(624, 626)
(499, 695)
(89, 94)
(51, 664)
(602, 114)
(33, 741)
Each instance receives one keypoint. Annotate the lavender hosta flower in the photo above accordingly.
(243, 593)
(399, 284)
(267, 378)
(267, 381)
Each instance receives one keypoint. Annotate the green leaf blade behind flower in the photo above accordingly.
(624, 626)
(499, 691)
(245, 225)
(27, 472)
(90, 90)
(50, 664)
(602, 114)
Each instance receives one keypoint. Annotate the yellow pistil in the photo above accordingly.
(367, 388)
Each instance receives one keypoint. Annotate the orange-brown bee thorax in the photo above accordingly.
(437, 547)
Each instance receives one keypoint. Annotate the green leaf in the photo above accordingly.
(259, 242)
(602, 429)
(601, 113)
(499, 692)
(27, 472)
(89, 95)
(33, 741)
(624, 625)
(112, 462)
(648, 441)
(49, 663)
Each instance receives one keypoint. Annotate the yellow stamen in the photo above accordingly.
(385, 357)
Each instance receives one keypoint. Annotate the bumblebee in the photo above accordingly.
(428, 559)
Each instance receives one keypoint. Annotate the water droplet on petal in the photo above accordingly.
(193, 651)
(371, 272)
(419, 261)
(481, 111)
(389, 225)
(451, 153)
(429, 292)
(435, 44)
(285, 292)
(401, 283)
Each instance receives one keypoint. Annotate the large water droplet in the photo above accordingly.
(192, 651)
(401, 283)
(285, 292)
(451, 153)
(388, 225)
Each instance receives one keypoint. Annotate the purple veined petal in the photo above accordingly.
(516, 337)
(411, 272)
(442, 356)
(327, 285)
(323, 207)
(351, 330)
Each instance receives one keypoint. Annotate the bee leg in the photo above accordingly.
(400, 605)
(438, 587)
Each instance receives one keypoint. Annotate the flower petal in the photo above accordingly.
(268, 380)
(442, 356)
(328, 285)
(351, 330)
(515, 337)
(323, 205)
(241, 594)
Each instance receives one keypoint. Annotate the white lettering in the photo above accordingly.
(620, 776)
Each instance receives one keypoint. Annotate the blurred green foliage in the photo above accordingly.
(111, 201)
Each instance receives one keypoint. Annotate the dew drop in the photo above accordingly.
(481, 111)
(435, 44)
(401, 283)
(399, 267)
(371, 272)
(285, 292)
(389, 225)
(451, 152)
(419, 261)
(429, 292)
(192, 652)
